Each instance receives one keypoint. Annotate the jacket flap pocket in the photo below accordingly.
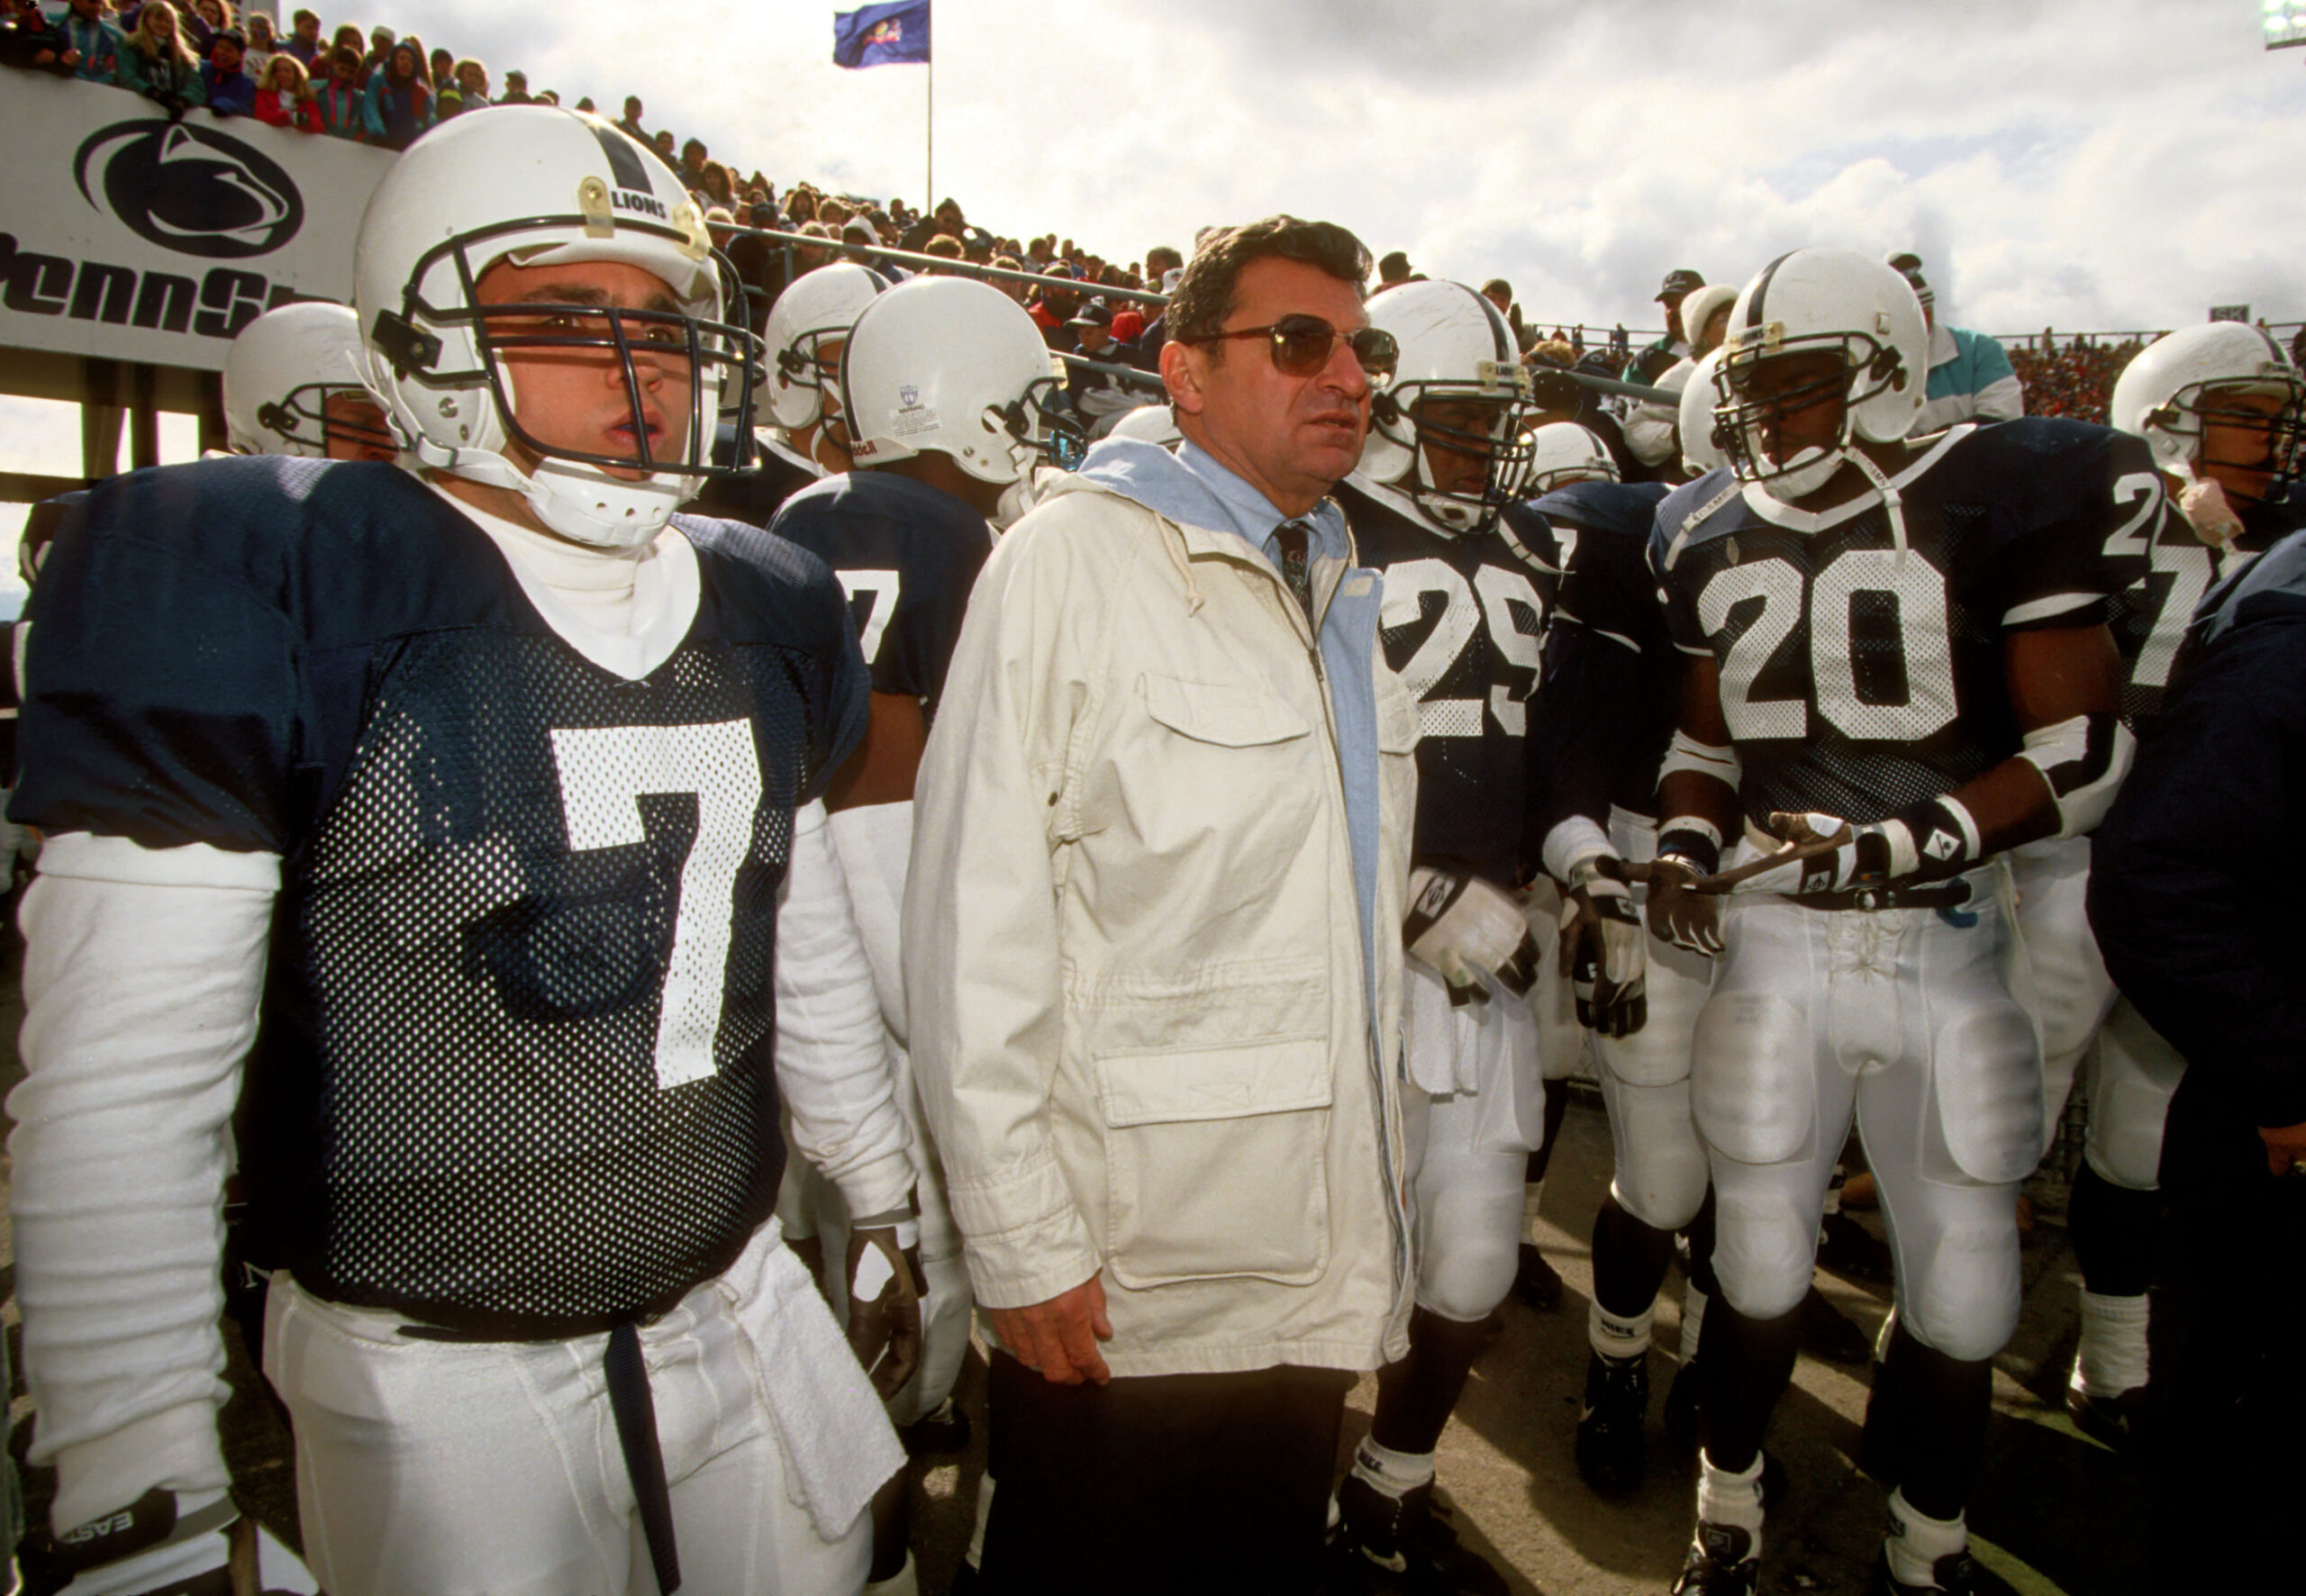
(1213, 1083)
(1396, 717)
(1221, 713)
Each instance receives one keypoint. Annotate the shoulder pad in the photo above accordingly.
(1713, 506)
(1622, 507)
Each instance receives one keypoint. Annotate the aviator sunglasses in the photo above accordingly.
(1302, 344)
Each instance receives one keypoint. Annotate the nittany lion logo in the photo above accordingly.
(188, 188)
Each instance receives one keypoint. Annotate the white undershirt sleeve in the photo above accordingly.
(142, 975)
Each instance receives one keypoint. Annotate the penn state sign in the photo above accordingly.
(126, 236)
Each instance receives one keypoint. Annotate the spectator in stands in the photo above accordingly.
(809, 256)
(944, 246)
(718, 186)
(33, 41)
(261, 46)
(229, 90)
(348, 37)
(1970, 375)
(380, 46)
(663, 143)
(1657, 358)
(800, 204)
(287, 98)
(304, 40)
(586, 104)
(93, 39)
(1095, 394)
(453, 94)
(396, 105)
(424, 69)
(441, 72)
(1500, 293)
(203, 21)
(691, 167)
(945, 219)
(759, 264)
(1393, 269)
(1015, 291)
(156, 62)
(1051, 308)
(341, 105)
(631, 121)
(516, 89)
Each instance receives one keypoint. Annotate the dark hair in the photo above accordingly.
(1204, 296)
(344, 55)
(1163, 258)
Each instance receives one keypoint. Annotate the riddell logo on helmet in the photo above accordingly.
(624, 199)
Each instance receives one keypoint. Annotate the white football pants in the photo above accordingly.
(1903, 1021)
(428, 1468)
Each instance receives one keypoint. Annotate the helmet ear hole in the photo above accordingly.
(1384, 408)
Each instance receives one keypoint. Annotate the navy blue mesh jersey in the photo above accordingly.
(1857, 678)
(1461, 625)
(907, 553)
(2162, 573)
(1606, 705)
(514, 1065)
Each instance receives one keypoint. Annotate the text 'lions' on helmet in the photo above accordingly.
(539, 186)
(1563, 452)
(1703, 449)
(1858, 324)
(1446, 431)
(292, 386)
(807, 328)
(955, 366)
(2227, 373)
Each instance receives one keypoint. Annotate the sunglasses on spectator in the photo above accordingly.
(1302, 345)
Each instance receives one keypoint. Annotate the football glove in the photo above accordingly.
(158, 1545)
(1601, 948)
(1678, 912)
(1470, 933)
(885, 1287)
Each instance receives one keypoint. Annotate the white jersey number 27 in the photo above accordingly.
(603, 771)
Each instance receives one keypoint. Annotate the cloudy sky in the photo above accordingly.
(2081, 163)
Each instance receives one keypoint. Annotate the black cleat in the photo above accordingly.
(1535, 1280)
(1721, 1563)
(1850, 1249)
(1681, 1400)
(2117, 1421)
(1403, 1545)
(945, 1430)
(1827, 1333)
(1958, 1574)
(1611, 1453)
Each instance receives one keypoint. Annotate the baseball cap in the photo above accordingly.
(1680, 280)
(1092, 314)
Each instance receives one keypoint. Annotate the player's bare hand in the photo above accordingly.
(1679, 913)
(885, 1306)
(1059, 1337)
(2285, 1148)
(1602, 949)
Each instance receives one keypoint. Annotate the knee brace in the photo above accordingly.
(1469, 1237)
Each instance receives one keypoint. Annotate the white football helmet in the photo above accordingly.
(956, 365)
(1834, 302)
(2165, 392)
(1563, 452)
(544, 187)
(279, 375)
(1454, 346)
(820, 305)
(1701, 452)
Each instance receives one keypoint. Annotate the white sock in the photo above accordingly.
(1532, 1194)
(1724, 1498)
(1396, 1474)
(2113, 1356)
(1617, 1337)
(975, 1556)
(1916, 1542)
(1833, 1192)
(905, 1581)
(1693, 1320)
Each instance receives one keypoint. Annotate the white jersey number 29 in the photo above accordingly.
(603, 771)
(1491, 595)
(1918, 593)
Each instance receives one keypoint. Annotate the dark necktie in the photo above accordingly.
(1294, 538)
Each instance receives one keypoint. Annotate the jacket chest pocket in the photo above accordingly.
(1217, 1163)
(1221, 785)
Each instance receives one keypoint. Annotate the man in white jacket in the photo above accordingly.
(1153, 956)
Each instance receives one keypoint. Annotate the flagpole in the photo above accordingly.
(928, 127)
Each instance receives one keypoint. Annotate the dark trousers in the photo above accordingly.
(1202, 1482)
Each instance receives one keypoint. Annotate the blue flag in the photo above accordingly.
(876, 35)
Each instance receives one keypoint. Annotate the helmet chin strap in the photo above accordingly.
(1410, 501)
(1891, 503)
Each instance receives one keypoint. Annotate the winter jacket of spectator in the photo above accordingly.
(197, 34)
(228, 93)
(165, 79)
(342, 109)
(21, 46)
(98, 43)
(394, 117)
(281, 114)
(1971, 379)
(257, 63)
(313, 53)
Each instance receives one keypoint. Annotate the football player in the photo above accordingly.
(944, 381)
(2219, 407)
(292, 386)
(805, 331)
(1899, 668)
(1460, 621)
(481, 861)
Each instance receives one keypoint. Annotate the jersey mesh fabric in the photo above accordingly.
(1859, 681)
(1445, 601)
(2160, 580)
